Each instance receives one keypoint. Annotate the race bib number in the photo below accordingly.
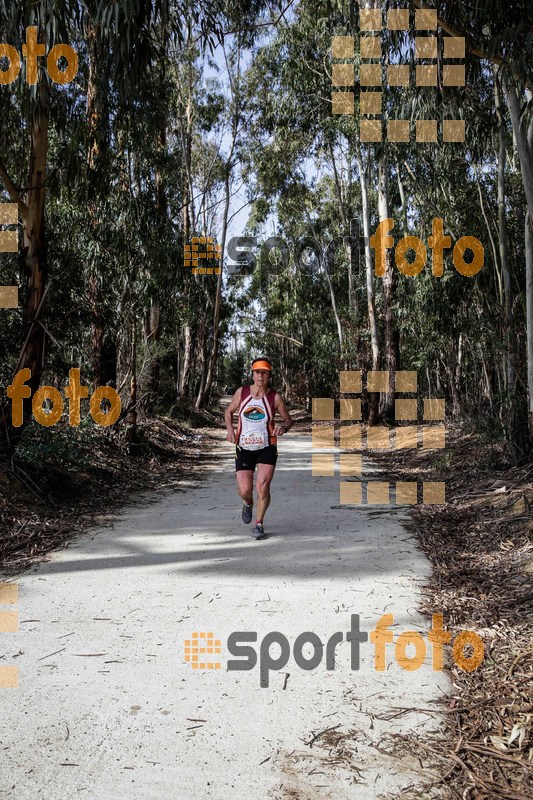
(252, 441)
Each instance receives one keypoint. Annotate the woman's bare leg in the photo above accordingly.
(245, 485)
(265, 473)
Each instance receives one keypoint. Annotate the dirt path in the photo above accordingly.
(108, 708)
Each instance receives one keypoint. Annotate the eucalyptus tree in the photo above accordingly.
(129, 46)
(500, 34)
(120, 47)
(235, 114)
(23, 170)
(293, 132)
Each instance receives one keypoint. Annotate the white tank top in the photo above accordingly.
(254, 415)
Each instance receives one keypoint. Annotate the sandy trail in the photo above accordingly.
(108, 708)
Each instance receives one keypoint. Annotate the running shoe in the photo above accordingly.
(247, 514)
(258, 532)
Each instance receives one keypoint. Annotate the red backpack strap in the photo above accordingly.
(271, 411)
(271, 400)
(245, 394)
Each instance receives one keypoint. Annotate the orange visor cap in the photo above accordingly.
(261, 365)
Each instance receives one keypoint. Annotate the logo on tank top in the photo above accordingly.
(254, 413)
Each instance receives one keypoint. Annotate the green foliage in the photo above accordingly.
(60, 446)
(150, 165)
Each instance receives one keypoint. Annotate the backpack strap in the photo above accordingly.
(271, 400)
(271, 411)
(245, 394)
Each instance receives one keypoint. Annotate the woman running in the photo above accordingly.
(256, 440)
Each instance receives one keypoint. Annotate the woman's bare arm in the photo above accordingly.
(281, 408)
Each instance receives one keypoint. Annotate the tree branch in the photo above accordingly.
(258, 25)
(12, 190)
(476, 51)
(526, 165)
(270, 333)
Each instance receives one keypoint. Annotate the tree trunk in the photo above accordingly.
(153, 334)
(529, 303)
(185, 362)
(389, 285)
(401, 189)
(453, 388)
(33, 261)
(372, 324)
(131, 435)
(489, 393)
(153, 315)
(202, 362)
(213, 356)
(351, 244)
(234, 75)
(525, 154)
(509, 369)
(338, 322)
(327, 274)
(512, 424)
(492, 243)
(459, 365)
(103, 341)
(34, 241)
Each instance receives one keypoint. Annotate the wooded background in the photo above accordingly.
(178, 111)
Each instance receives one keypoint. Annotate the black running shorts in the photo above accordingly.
(247, 459)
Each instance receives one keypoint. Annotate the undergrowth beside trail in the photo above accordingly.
(481, 548)
(63, 479)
